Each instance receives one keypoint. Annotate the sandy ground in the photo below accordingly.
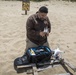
(13, 32)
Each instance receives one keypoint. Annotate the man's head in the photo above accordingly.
(42, 12)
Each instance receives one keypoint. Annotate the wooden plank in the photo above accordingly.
(29, 71)
(70, 65)
(47, 67)
(63, 74)
(25, 66)
(49, 63)
(35, 72)
(31, 65)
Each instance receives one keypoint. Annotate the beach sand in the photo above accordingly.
(13, 32)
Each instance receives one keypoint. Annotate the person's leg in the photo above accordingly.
(46, 44)
(30, 44)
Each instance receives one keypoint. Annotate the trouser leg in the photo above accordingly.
(46, 44)
(30, 44)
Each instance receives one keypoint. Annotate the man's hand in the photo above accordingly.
(46, 34)
(42, 34)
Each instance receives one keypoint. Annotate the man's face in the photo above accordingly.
(42, 15)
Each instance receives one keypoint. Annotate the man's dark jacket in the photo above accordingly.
(33, 26)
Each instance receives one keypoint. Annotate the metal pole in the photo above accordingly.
(25, 12)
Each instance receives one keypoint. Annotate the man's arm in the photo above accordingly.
(49, 25)
(30, 28)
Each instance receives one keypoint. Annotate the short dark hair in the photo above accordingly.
(43, 9)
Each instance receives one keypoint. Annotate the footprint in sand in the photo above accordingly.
(74, 42)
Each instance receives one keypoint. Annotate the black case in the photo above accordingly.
(38, 54)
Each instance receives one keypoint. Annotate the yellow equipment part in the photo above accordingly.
(26, 6)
